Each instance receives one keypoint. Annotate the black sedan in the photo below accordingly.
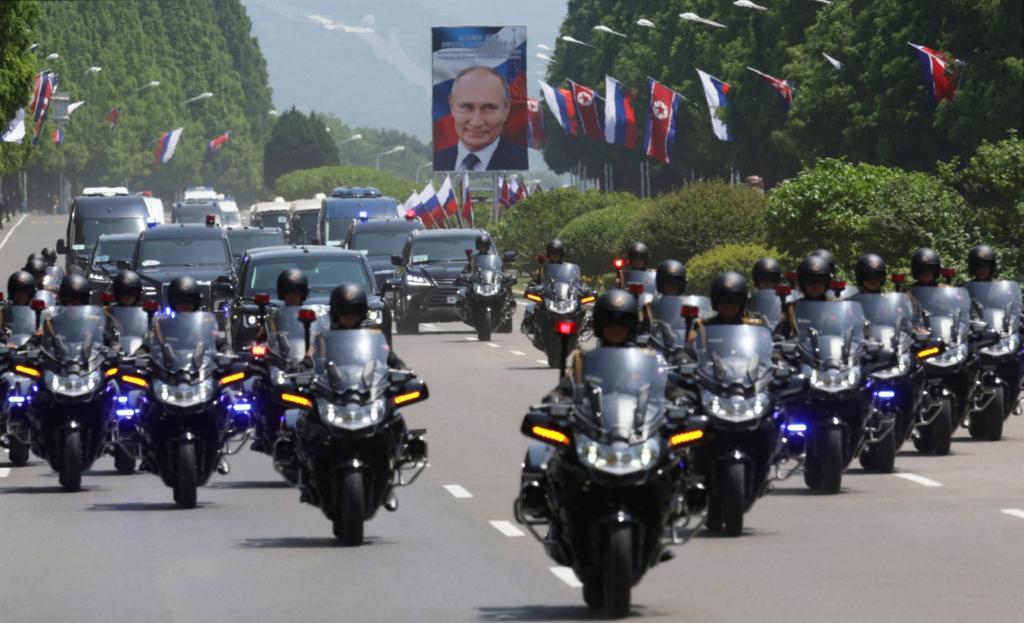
(378, 241)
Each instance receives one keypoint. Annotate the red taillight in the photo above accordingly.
(150, 306)
(541, 259)
(1, 296)
(899, 278)
(949, 273)
(791, 275)
(690, 311)
(261, 299)
(565, 327)
(211, 220)
(106, 297)
(37, 304)
(307, 315)
(410, 215)
(635, 288)
(259, 350)
(839, 285)
(618, 263)
(783, 290)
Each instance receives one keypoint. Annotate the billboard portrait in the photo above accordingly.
(479, 98)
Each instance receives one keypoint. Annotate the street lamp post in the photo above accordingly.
(149, 85)
(393, 150)
(420, 168)
(354, 137)
(202, 96)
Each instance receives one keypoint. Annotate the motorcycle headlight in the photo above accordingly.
(249, 321)
(734, 408)
(561, 307)
(416, 280)
(618, 458)
(834, 380)
(72, 385)
(183, 394)
(1007, 345)
(901, 368)
(486, 289)
(352, 415)
(375, 316)
(951, 357)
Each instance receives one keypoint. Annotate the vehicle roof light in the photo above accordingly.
(618, 263)
(261, 299)
(307, 315)
(37, 304)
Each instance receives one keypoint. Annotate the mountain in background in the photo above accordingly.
(368, 62)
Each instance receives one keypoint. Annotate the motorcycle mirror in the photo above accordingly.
(62, 247)
(124, 265)
(37, 305)
(509, 256)
(106, 298)
(396, 260)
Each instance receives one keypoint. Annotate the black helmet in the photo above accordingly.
(870, 266)
(483, 243)
(49, 256)
(814, 268)
(37, 267)
(21, 281)
(831, 259)
(35, 255)
(555, 247)
(925, 259)
(349, 298)
(767, 268)
(127, 282)
(670, 272)
(74, 290)
(730, 287)
(291, 280)
(184, 290)
(982, 255)
(638, 249)
(615, 307)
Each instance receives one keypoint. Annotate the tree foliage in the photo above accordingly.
(305, 183)
(17, 17)
(702, 269)
(596, 238)
(297, 141)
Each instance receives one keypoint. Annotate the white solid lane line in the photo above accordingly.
(493, 345)
(469, 338)
(7, 237)
(1014, 512)
(543, 361)
(921, 480)
(458, 491)
(507, 528)
(5, 472)
(517, 352)
(567, 575)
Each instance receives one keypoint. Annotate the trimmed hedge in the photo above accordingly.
(308, 182)
(596, 238)
(702, 269)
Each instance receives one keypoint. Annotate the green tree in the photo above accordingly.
(305, 183)
(297, 141)
(17, 65)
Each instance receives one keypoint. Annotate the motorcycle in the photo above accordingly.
(668, 320)
(485, 299)
(1002, 362)
(69, 413)
(20, 323)
(560, 298)
(351, 441)
(640, 283)
(768, 305)
(130, 401)
(609, 478)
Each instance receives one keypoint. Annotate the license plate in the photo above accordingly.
(451, 300)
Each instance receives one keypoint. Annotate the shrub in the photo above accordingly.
(305, 183)
(702, 269)
(596, 238)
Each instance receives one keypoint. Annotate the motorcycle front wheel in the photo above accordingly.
(618, 575)
(17, 451)
(124, 463)
(483, 324)
(349, 508)
(185, 475)
(832, 460)
(71, 461)
(732, 497)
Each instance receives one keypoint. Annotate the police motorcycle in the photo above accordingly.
(351, 441)
(828, 417)
(641, 284)
(130, 401)
(609, 479)
(193, 393)
(676, 314)
(558, 299)
(19, 325)
(485, 299)
(768, 304)
(70, 368)
(1001, 359)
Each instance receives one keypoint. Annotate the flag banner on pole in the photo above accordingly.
(466, 212)
(214, 145)
(449, 203)
(112, 117)
(561, 106)
(504, 197)
(75, 106)
(43, 89)
(15, 132)
(715, 91)
(58, 136)
(520, 192)
(536, 123)
(586, 108)
(165, 146)
(832, 61)
(782, 88)
(619, 118)
(412, 205)
(429, 209)
(661, 121)
(939, 77)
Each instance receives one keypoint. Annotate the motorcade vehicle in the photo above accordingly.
(560, 297)
(485, 300)
(378, 240)
(998, 304)
(241, 239)
(270, 214)
(93, 215)
(303, 216)
(111, 250)
(352, 204)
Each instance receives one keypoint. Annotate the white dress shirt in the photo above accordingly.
(484, 155)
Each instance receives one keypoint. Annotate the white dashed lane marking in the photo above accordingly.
(5, 472)
(517, 352)
(921, 480)
(567, 575)
(493, 345)
(507, 528)
(469, 338)
(1014, 512)
(543, 361)
(458, 491)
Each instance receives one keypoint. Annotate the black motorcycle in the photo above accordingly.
(668, 320)
(69, 413)
(642, 284)
(351, 442)
(609, 481)
(768, 305)
(19, 325)
(998, 303)
(559, 299)
(130, 401)
(485, 301)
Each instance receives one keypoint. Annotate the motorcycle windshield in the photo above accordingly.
(830, 333)
(185, 342)
(47, 296)
(890, 315)
(51, 281)
(669, 310)
(624, 393)
(132, 324)
(490, 263)
(1000, 303)
(287, 335)
(643, 277)
(565, 273)
(734, 356)
(20, 320)
(949, 311)
(766, 303)
(353, 360)
(74, 334)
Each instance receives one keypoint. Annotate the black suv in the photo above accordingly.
(378, 241)
(423, 288)
(241, 239)
(325, 268)
(111, 252)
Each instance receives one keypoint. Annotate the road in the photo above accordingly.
(932, 542)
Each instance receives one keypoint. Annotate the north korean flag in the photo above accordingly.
(535, 116)
(782, 88)
(587, 110)
(661, 121)
(938, 74)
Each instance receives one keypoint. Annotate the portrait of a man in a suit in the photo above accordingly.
(480, 105)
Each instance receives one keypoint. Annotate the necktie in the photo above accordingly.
(469, 162)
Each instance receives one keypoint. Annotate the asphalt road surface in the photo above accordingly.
(940, 540)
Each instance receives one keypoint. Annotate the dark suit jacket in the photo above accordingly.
(507, 157)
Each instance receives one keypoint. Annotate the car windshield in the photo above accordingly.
(304, 226)
(230, 218)
(242, 240)
(379, 243)
(270, 218)
(194, 212)
(90, 229)
(323, 273)
(430, 250)
(183, 252)
(113, 251)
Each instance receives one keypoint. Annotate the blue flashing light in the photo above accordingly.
(16, 400)
(125, 413)
(241, 407)
(796, 428)
(122, 399)
(151, 223)
(885, 394)
(363, 216)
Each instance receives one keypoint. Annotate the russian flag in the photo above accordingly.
(715, 91)
(561, 105)
(586, 106)
(938, 74)
(782, 88)
(661, 121)
(619, 118)
(466, 215)
(446, 195)
(429, 210)
(165, 146)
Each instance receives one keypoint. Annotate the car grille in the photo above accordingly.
(445, 287)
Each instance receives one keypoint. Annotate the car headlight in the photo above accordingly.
(375, 316)
(486, 289)
(352, 415)
(561, 307)
(834, 380)
(951, 357)
(734, 408)
(183, 394)
(618, 457)
(98, 277)
(416, 280)
(73, 384)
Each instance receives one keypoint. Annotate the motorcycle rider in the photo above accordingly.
(555, 254)
(127, 288)
(349, 308)
(483, 247)
(74, 291)
(982, 263)
(925, 267)
(183, 295)
(21, 285)
(870, 273)
(292, 287)
(639, 256)
(670, 278)
(830, 258)
(37, 267)
(767, 273)
(814, 276)
(49, 256)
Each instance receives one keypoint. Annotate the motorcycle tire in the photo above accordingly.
(554, 359)
(994, 414)
(505, 326)
(185, 475)
(732, 496)
(71, 461)
(883, 455)
(593, 595)
(942, 429)
(832, 460)
(483, 325)
(618, 575)
(124, 463)
(812, 473)
(349, 513)
(17, 452)
(867, 458)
